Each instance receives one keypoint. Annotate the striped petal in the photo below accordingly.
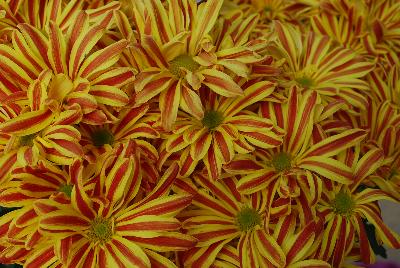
(169, 241)
(388, 237)
(102, 59)
(167, 206)
(147, 226)
(191, 103)
(28, 123)
(79, 198)
(200, 148)
(64, 222)
(122, 251)
(169, 103)
(302, 120)
(251, 94)
(158, 84)
(109, 95)
(205, 20)
(42, 257)
(211, 229)
(221, 83)
(263, 139)
(118, 179)
(256, 181)
(329, 168)
(57, 49)
(335, 144)
(367, 165)
(269, 248)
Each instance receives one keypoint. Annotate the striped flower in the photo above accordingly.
(178, 55)
(346, 207)
(21, 226)
(313, 62)
(295, 166)
(82, 76)
(130, 125)
(344, 26)
(299, 242)
(223, 129)
(221, 216)
(110, 228)
(40, 14)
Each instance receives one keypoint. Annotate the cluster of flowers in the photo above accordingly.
(170, 133)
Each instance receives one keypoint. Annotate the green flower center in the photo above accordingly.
(281, 162)
(247, 219)
(393, 172)
(343, 204)
(27, 140)
(182, 61)
(305, 81)
(267, 9)
(66, 189)
(212, 119)
(100, 230)
(102, 136)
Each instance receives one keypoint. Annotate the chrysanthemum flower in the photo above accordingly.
(86, 79)
(130, 124)
(286, 164)
(105, 231)
(180, 54)
(382, 21)
(346, 206)
(385, 85)
(21, 227)
(40, 14)
(223, 215)
(223, 130)
(299, 242)
(314, 63)
(344, 27)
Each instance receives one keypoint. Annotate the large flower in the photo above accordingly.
(224, 129)
(20, 233)
(222, 215)
(345, 207)
(79, 75)
(314, 63)
(104, 230)
(179, 55)
(344, 26)
(297, 160)
(132, 125)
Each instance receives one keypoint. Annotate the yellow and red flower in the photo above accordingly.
(222, 215)
(177, 56)
(223, 129)
(345, 207)
(314, 63)
(110, 228)
(294, 168)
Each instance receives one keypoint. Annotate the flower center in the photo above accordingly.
(305, 81)
(27, 140)
(100, 230)
(247, 219)
(267, 9)
(393, 172)
(212, 119)
(281, 162)
(343, 204)
(102, 136)
(66, 189)
(182, 61)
